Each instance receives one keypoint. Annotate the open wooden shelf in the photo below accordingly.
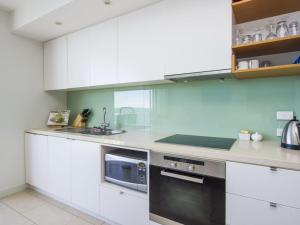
(268, 47)
(273, 71)
(249, 10)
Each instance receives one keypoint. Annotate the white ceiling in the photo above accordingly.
(74, 14)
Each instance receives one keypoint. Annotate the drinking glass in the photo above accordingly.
(271, 29)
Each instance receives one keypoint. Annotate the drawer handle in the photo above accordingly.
(273, 204)
(273, 168)
(121, 192)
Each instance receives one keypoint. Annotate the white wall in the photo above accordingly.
(23, 103)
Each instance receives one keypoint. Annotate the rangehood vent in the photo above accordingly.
(200, 75)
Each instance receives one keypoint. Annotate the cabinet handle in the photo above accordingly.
(273, 168)
(273, 204)
(121, 192)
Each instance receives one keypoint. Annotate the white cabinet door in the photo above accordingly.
(124, 208)
(141, 36)
(263, 183)
(104, 53)
(79, 63)
(85, 179)
(56, 64)
(37, 172)
(198, 35)
(60, 167)
(246, 211)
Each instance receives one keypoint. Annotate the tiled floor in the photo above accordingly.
(31, 208)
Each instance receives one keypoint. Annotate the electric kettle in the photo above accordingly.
(291, 135)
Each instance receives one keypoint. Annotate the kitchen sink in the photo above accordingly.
(90, 131)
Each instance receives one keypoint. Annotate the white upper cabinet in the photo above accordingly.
(141, 44)
(167, 38)
(103, 49)
(198, 35)
(60, 167)
(56, 64)
(79, 61)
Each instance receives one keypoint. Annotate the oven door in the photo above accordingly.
(122, 171)
(183, 198)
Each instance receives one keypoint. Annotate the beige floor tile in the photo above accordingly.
(49, 215)
(51, 201)
(78, 221)
(10, 217)
(23, 202)
(84, 216)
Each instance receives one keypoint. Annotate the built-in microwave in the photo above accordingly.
(128, 168)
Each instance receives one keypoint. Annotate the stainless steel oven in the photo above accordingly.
(186, 191)
(127, 168)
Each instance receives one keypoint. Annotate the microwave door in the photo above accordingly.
(122, 172)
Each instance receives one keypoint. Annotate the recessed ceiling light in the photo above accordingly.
(58, 23)
(107, 2)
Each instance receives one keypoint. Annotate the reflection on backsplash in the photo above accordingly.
(210, 107)
(132, 109)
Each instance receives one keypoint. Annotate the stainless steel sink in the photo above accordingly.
(90, 131)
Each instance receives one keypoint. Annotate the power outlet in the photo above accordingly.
(279, 132)
(285, 115)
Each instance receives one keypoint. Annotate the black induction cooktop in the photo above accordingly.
(199, 141)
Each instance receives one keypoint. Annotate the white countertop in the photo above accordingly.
(266, 153)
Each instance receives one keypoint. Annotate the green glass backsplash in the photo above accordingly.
(209, 107)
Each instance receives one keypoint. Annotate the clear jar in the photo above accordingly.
(294, 28)
(282, 29)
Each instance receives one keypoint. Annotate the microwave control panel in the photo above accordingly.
(142, 173)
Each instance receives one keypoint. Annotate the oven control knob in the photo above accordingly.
(191, 168)
(173, 164)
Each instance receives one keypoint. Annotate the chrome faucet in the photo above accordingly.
(104, 125)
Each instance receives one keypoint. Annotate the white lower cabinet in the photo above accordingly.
(85, 175)
(67, 169)
(264, 183)
(260, 195)
(37, 163)
(248, 211)
(123, 208)
(60, 167)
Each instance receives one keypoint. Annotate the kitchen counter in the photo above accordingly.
(266, 153)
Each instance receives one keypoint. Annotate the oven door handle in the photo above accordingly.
(182, 177)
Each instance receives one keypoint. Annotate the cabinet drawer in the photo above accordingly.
(246, 211)
(123, 208)
(264, 183)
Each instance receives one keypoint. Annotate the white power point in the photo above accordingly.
(285, 115)
(279, 132)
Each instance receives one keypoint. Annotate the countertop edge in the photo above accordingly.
(237, 155)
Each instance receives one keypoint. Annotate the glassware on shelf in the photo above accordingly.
(282, 29)
(266, 63)
(294, 28)
(271, 29)
(238, 36)
(257, 37)
(247, 39)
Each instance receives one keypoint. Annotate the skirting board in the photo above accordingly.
(13, 190)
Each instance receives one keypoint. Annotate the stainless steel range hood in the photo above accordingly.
(225, 73)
